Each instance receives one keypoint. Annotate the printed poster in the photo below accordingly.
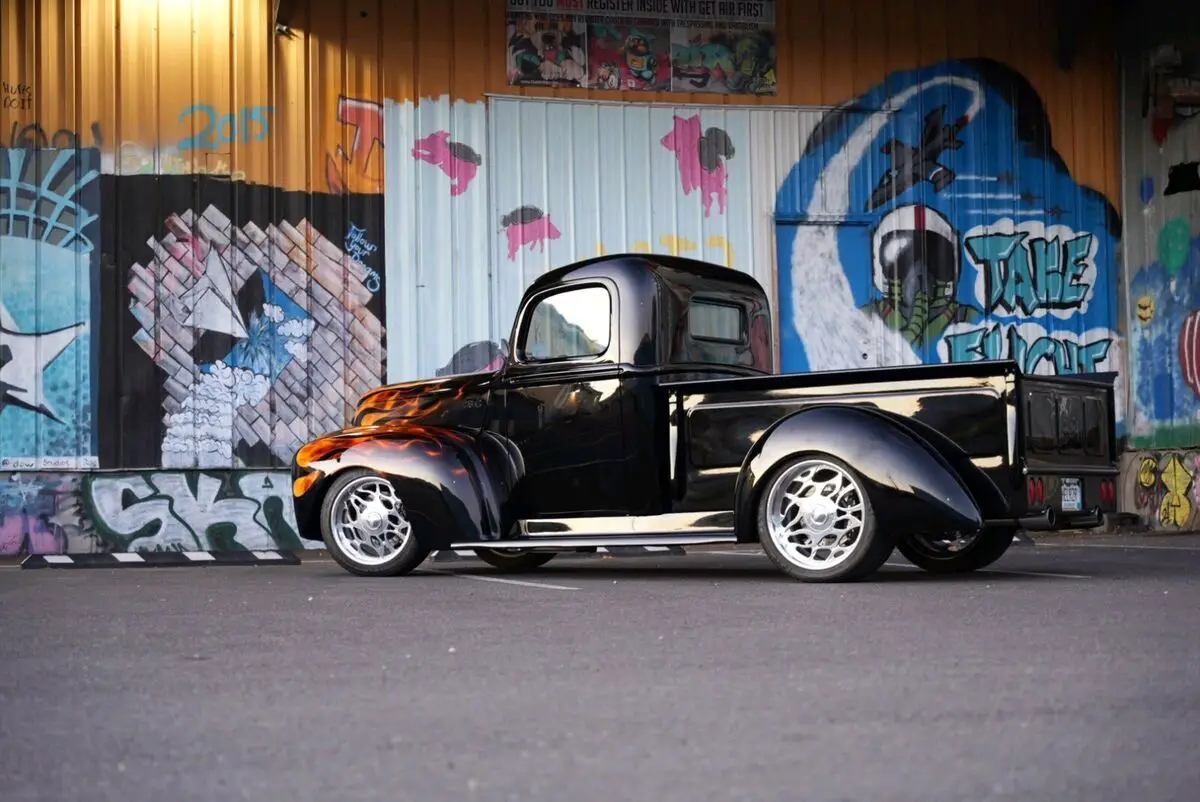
(719, 46)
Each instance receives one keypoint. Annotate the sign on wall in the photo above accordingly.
(719, 46)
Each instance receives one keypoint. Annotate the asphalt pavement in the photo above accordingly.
(1069, 671)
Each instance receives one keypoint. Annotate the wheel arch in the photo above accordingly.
(455, 485)
(911, 485)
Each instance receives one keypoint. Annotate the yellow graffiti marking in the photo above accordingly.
(1176, 508)
(135, 159)
(676, 245)
(1147, 472)
(717, 242)
(1145, 308)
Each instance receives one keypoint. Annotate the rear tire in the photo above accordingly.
(366, 528)
(514, 561)
(942, 558)
(816, 522)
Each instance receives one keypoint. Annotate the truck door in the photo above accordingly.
(562, 403)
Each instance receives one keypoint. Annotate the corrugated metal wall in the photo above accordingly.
(229, 184)
(1162, 246)
(284, 220)
(1161, 88)
(933, 220)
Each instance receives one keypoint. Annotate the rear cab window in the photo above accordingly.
(717, 331)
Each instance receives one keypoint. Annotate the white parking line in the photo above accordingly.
(1031, 573)
(1000, 571)
(1130, 546)
(521, 582)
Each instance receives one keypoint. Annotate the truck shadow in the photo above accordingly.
(678, 569)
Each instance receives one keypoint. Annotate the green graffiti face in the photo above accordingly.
(1174, 242)
(927, 316)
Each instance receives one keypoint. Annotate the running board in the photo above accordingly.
(566, 543)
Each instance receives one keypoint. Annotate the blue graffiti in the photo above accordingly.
(1001, 341)
(49, 273)
(915, 229)
(357, 248)
(1034, 275)
(250, 124)
(1163, 356)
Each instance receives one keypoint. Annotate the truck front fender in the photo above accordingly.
(455, 485)
(913, 489)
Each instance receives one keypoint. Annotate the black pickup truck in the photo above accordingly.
(638, 406)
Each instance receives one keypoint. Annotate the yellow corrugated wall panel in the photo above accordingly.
(153, 75)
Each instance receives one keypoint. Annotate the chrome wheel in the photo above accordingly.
(815, 514)
(368, 521)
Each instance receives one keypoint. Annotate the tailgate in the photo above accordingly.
(1067, 428)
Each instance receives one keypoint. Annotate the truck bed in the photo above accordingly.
(1047, 442)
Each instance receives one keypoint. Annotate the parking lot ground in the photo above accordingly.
(1068, 671)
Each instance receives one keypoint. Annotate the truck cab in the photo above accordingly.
(590, 344)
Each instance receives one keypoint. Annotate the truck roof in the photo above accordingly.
(665, 267)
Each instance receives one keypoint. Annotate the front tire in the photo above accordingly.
(514, 561)
(939, 556)
(816, 522)
(366, 527)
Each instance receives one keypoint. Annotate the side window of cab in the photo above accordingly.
(567, 324)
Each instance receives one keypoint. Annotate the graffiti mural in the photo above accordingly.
(916, 234)
(41, 514)
(358, 166)
(459, 161)
(216, 130)
(638, 178)
(1163, 488)
(261, 332)
(1163, 262)
(701, 159)
(1164, 340)
(193, 511)
(530, 226)
(357, 247)
(49, 271)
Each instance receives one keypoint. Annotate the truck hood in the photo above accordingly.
(459, 400)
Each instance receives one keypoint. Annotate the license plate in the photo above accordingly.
(1072, 495)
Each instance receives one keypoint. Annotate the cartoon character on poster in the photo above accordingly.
(705, 60)
(634, 57)
(545, 52)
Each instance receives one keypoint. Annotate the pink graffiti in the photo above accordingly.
(367, 118)
(188, 249)
(701, 160)
(528, 225)
(458, 161)
(43, 539)
(1189, 351)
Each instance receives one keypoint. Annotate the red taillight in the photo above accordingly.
(1108, 492)
(1036, 492)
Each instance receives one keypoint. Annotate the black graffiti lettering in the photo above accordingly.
(33, 135)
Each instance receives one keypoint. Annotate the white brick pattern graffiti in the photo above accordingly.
(200, 266)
